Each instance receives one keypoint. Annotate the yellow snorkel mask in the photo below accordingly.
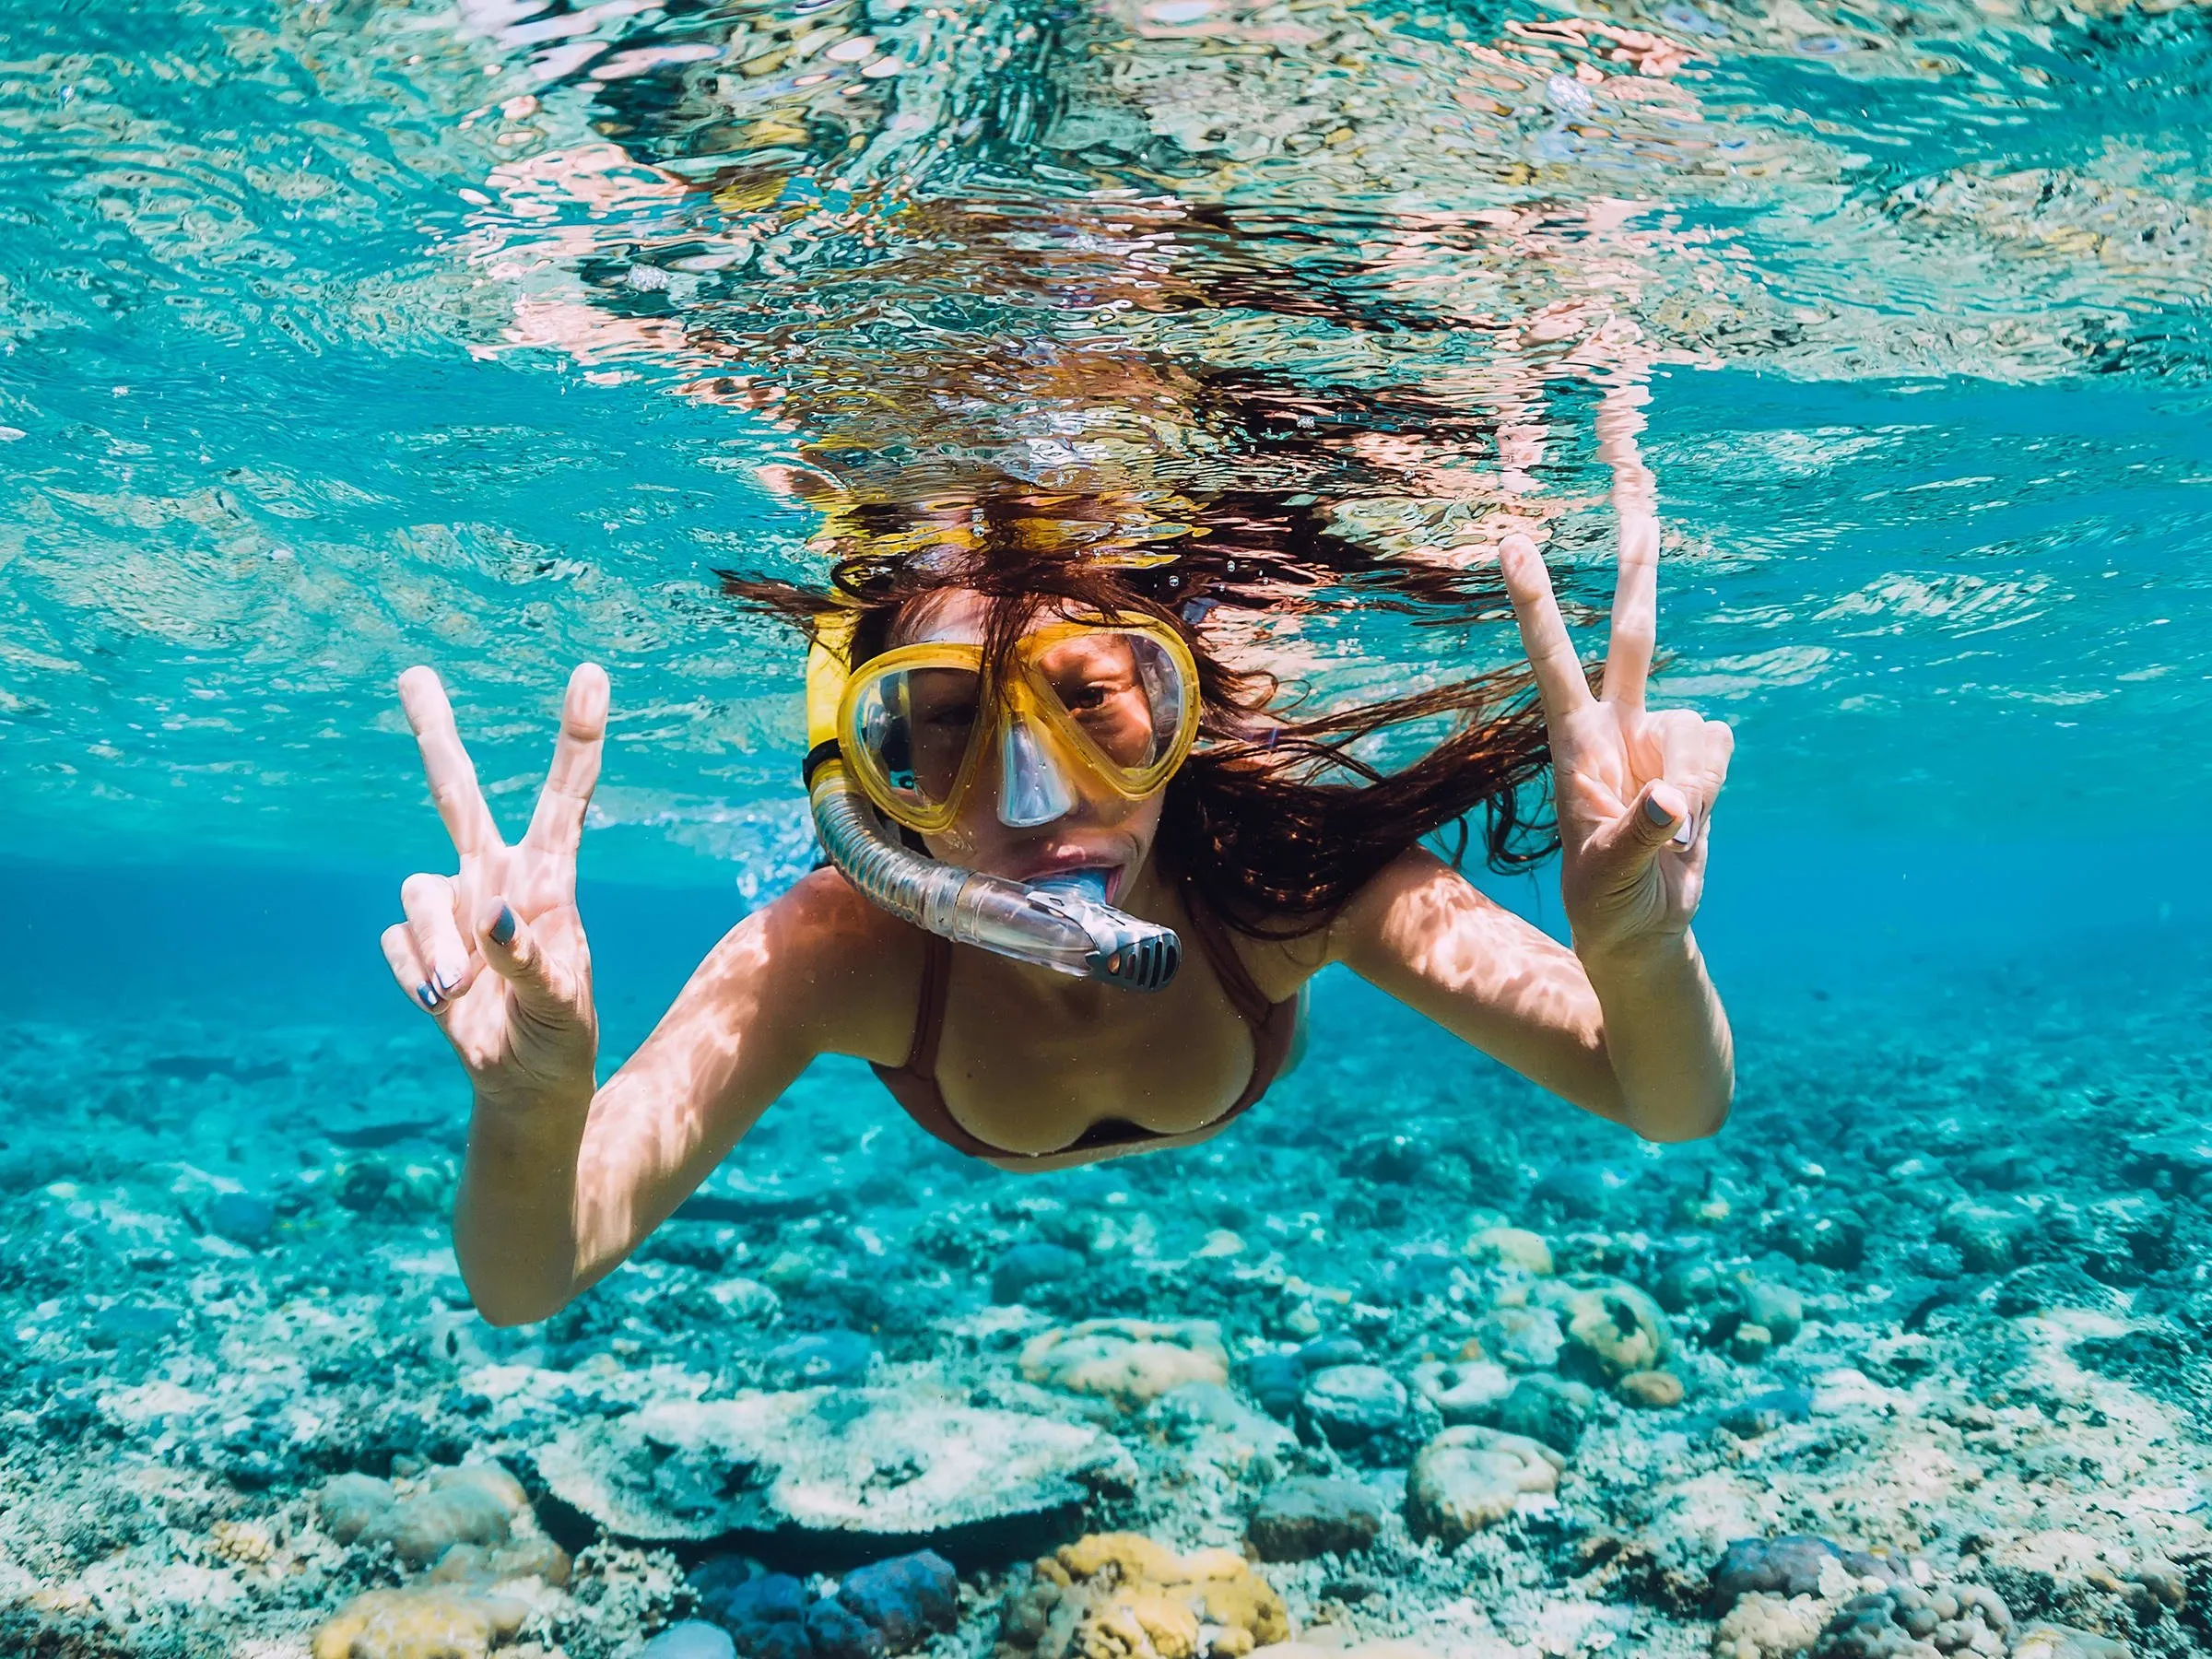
(1117, 701)
(907, 736)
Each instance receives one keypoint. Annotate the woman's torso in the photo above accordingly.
(1029, 1082)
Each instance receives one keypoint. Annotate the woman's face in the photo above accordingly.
(1100, 830)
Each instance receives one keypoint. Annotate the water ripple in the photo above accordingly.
(337, 335)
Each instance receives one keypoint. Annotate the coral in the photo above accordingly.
(1907, 1622)
(242, 1217)
(1121, 1595)
(1832, 1238)
(835, 1631)
(717, 1580)
(1688, 1283)
(690, 1639)
(817, 1359)
(1524, 1338)
(1512, 1247)
(350, 1504)
(889, 1607)
(246, 1543)
(1651, 1390)
(1024, 1266)
(1232, 1433)
(1278, 1381)
(819, 1460)
(1467, 1478)
(2058, 1574)
(1130, 1360)
(1777, 1308)
(1791, 1565)
(2061, 1641)
(1987, 1235)
(1764, 1626)
(471, 1504)
(905, 1598)
(1462, 1393)
(431, 1623)
(2043, 1285)
(1544, 1408)
(1748, 1343)
(769, 1616)
(765, 1612)
(1591, 1190)
(1763, 1413)
(533, 1557)
(467, 1505)
(458, 1522)
(1612, 1328)
(1275, 1380)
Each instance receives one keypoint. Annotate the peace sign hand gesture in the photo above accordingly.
(1634, 790)
(526, 1031)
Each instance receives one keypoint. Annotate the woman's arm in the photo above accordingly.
(1625, 1024)
(558, 1189)
(1638, 1037)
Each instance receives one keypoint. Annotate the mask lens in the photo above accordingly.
(1123, 691)
(914, 726)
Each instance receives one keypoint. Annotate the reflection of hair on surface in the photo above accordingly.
(1261, 415)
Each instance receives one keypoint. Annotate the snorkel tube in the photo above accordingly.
(1065, 925)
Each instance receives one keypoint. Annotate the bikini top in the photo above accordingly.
(915, 1084)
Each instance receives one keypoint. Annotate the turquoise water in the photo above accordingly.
(337, 338)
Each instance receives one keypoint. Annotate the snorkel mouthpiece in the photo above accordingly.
(1085, 884)
(1136, 955)
(1056, 923)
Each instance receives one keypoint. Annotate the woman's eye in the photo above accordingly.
(954, 717)
(1086, 698)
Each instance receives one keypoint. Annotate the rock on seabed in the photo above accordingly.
(875, 1470)
(1468, 1478)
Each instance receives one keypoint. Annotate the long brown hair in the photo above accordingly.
(1275, 819)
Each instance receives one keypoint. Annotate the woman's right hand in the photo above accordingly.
(526, 1031)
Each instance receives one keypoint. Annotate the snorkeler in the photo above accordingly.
(1024, 755)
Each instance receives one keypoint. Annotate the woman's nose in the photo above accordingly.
(1033, 789)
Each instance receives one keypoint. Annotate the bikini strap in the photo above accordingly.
(929, 1007)
(1244, 994)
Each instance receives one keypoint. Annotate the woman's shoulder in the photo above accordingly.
(1282, 953)
(861, 967)
(823, 899)
(1277, 955)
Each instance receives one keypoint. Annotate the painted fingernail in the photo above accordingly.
(446, 981)
(1656, 813)
(426, 996)
(502, 930)
(1685, 832)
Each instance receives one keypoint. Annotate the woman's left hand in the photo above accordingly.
(1634, 789)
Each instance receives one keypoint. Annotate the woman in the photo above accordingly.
(1015, 1063)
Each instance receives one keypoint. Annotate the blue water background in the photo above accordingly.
(253, 470)
(1892, 945)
